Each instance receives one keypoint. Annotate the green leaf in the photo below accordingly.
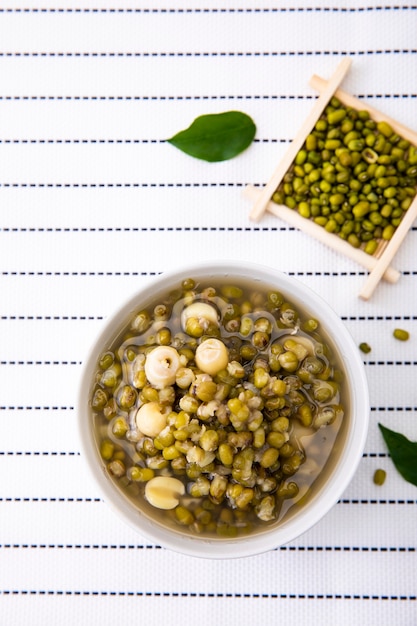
(216, 137)
(403, 453)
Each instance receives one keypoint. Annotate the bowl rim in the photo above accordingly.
(328, 494)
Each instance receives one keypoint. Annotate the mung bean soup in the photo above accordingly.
(217, 408)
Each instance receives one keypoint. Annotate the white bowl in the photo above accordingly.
(346, 453)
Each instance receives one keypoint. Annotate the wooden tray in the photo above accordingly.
(378, 264)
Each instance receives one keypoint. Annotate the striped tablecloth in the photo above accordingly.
(94, 203)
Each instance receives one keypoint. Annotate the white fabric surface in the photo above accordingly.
(94, 203)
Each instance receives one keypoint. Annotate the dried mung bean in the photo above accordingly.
(346, 170)
(379, 477)
(401, 334)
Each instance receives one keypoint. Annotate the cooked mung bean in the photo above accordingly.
(208, 407)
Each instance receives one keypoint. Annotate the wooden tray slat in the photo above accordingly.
(389, 251)
(293, 218)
